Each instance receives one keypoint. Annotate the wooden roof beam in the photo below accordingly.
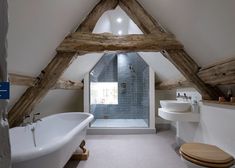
(68, 85)
(23, 80)
(221, 73)
(107, 42)
(169, 85)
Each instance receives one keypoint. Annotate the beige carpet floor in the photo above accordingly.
(131, 151)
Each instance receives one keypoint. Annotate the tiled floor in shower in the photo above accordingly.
(120, 123)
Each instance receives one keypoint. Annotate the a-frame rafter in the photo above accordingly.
(51, 74)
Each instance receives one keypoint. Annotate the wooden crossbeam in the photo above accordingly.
(23, 80)
(53, 71)
(108, 42)
(221, 73)
(68, 85)
(169, 85)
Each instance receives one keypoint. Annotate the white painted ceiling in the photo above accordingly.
(115, 22)
(205, 27)
(37, 27)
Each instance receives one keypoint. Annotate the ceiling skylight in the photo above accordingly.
(119, 32)
(119, 20)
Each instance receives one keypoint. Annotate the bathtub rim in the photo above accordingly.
(55, 145)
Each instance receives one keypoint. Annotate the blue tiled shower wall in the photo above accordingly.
(132, 74)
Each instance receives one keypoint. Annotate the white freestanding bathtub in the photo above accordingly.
(48, 143)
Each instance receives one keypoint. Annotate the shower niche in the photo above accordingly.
(119, 92)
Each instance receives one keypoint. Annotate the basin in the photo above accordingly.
(175, 106)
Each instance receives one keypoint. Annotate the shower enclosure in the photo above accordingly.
(119, 92)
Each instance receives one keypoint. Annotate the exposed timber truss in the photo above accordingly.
(83, 41)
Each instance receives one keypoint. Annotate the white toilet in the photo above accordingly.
(198, 155)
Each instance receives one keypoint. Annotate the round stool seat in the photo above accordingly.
(206, 155)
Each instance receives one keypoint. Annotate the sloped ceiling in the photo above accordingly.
(37, 27)
(205, 27)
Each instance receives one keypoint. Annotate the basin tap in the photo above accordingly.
(187, 97)
(35, 119)
(184, 97)
(181, 96)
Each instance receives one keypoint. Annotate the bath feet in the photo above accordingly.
(82, 153)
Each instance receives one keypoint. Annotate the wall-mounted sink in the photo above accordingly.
(178, 116)
(175, 106)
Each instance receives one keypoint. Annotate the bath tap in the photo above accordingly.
(34, 138)
(34, 117)
(26, 123)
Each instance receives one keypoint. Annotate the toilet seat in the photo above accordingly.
(206, 155)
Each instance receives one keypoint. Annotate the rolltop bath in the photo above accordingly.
(48, 143)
